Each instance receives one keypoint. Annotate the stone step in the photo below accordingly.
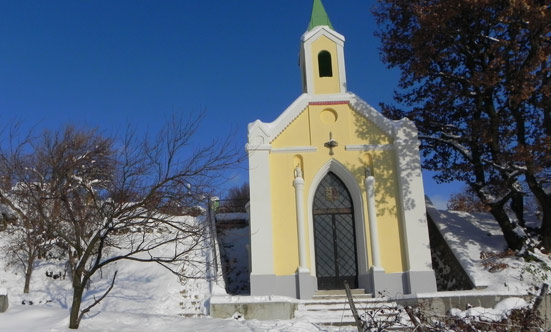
(338, 292)
(340, 305)
(334, 310)
(352, 327)
(192, 315)
(337, 315)
(331, 297)
(348, 320)
(340, 300)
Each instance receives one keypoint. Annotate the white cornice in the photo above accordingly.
(325, 30)
(330, 98)
(368, 147)
(295, 149)
(259, 147)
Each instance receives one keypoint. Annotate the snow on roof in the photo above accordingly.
(3, 291)
(470, 234)
(467, 235)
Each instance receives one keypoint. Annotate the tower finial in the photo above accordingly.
(319, 16)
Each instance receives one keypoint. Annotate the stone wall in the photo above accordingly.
(3, 303)
(268, 310)
(449, 272)
(441, 305)
(437, 305)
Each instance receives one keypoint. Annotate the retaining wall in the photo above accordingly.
(269, 310)
(440, 305)
(3, 303)
(435, 305)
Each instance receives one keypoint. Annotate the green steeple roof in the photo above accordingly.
(319, 16)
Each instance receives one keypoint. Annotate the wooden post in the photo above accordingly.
(414, 319)
(359, 323)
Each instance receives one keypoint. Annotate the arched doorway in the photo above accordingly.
(334, 235)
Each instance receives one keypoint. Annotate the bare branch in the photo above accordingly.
(96, 301)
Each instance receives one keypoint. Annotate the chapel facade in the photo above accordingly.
(336, 188)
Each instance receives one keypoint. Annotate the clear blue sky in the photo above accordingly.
(107, 63)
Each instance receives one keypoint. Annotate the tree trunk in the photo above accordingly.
(517, 205)
(545, 230)
(74, 320)
(544, 201)
(28, 273)
(513, 239)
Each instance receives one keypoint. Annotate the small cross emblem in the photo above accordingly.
(331, 144)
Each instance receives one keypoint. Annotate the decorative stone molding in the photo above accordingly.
(368, 147)
(295, 149)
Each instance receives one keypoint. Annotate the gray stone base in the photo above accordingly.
(270, 284)
(395, 284)
(299, 285)
(389, 284)
(365, 282)
(422, 281)
(306, 285)
(378, 282)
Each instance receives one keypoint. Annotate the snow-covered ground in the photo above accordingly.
(54, 319)
(146, 297)
(495, 314)
(478, 244)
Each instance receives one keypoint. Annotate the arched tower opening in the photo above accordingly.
(324, 64)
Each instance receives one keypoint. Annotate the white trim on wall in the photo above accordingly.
(368, 147)
(295, 149)
(342, 68)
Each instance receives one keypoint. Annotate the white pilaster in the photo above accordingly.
(262, 260)
(412, 199)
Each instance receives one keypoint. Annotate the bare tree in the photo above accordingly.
(239, 193)
(476, 79)
(28, 238)
(25, 244)
(236, 199)
(467, 201)
(107, 197)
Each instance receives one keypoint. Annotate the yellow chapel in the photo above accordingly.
(336, 188)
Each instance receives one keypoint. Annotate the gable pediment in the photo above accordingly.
(261, 133)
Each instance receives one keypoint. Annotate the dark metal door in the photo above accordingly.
(334, 235)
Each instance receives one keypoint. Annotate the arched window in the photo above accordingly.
(324, 63)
